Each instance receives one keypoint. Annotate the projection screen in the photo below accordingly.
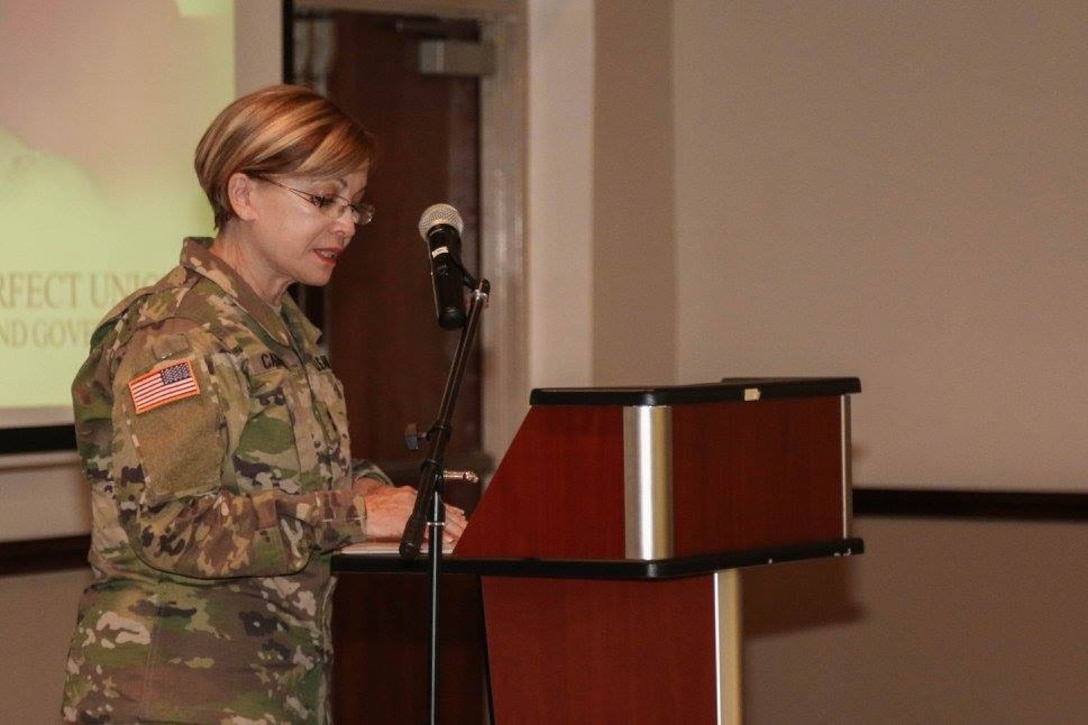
(101, 105)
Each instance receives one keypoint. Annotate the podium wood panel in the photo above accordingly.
(748, 476)
(554, 495)
(756, 475)
(573, 651)
(381, 630)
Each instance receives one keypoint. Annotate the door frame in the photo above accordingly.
(504, 338)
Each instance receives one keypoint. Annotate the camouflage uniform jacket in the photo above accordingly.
(214, 438)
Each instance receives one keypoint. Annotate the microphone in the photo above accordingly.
(440, 226)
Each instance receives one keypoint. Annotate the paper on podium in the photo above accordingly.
(385, 548)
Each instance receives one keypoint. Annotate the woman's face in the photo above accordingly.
(295, 241)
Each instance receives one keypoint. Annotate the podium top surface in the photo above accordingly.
(729, 389)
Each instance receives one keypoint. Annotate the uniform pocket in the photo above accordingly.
(329, 392)
(267, 454)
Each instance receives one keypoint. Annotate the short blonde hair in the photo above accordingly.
(279, 130)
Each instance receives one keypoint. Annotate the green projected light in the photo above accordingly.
(101, 106)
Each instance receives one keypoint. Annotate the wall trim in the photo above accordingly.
(38, 439)
(35, 556)
(982, 505)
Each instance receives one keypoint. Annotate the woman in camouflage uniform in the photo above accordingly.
(214, 438)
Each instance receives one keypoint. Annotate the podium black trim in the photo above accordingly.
(674, 568)
(727, 390)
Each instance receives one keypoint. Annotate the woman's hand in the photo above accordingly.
(388, 508)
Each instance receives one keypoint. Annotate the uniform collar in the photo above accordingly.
(196, 255)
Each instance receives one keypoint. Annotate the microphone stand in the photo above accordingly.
(429, 509)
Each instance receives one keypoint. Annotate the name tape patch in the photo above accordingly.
(165, 385)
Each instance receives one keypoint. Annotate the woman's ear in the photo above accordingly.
(241, 193)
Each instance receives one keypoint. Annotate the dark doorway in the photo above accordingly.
(377, 313)
(384, 342)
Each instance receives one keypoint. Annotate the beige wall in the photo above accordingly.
(894, 191)
(600, 222)
(938, 622)
(559, 218)
(634, 255)
(37, 614)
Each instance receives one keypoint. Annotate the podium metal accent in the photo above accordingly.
(648, 505)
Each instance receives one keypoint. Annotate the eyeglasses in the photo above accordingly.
(331, 205)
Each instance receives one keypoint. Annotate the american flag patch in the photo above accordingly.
(162, 386)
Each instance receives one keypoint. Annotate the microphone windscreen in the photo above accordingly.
(440, 214)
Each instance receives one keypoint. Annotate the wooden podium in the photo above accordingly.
(608, 543)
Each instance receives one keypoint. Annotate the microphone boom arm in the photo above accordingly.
(431, 471)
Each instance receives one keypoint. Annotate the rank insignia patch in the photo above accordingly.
(165, 385)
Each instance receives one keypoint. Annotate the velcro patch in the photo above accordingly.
(165, 385)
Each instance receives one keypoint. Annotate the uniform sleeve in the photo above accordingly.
(362, 468)
(179, 412)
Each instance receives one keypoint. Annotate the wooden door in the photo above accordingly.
(385, 345)
(378, 312)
